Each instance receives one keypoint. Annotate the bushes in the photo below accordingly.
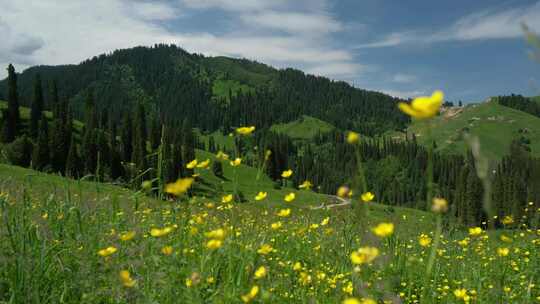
(19, 152)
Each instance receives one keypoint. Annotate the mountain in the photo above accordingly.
(213, 92)
(494, 124)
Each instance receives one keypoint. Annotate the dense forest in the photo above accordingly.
(138, 117)
(521, 103)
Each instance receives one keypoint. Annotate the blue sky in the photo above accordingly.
(469, 49)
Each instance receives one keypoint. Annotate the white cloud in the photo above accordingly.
(69, 31)
(293, 22)
(403, 78)
(404, 94)
(488, 24)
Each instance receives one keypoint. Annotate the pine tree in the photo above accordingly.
(73, 162)
(139, 139)
(89, 148)
(188, 146)
(41, 158)
(37, 107)
(11, 123)
(127, 137)
(60, 138)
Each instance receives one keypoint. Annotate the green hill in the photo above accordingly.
(306, 127)
(495, 125)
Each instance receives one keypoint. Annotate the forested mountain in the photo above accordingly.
(214, 92)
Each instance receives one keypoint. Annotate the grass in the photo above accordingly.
(495, 125)
(304, 128)
(53, 228)
(221, 88)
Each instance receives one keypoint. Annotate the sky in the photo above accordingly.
(469, 49)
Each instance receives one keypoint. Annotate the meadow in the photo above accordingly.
(66, 241)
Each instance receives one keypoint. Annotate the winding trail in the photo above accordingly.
(343, 202)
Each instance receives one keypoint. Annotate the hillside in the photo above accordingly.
(495, 125)
(177, 85)
(304, 128)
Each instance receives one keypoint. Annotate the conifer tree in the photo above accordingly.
(41, 158)
(188, 146)
(89, 148)
(37, 107)
(139, 139)
(11, 122)
(73, 162)
(127, 137)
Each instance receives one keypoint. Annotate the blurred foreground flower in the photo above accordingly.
(180, 186)
(245, 130)
(423, 107)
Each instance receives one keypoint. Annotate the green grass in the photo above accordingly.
(25, 115)
(221, 88)
(304, 128)
(495, 126)
(53, 228)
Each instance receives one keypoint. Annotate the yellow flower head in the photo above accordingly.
(364, 255)
(192, 164)
(424, 240)
(146, 185)
(265, 249)
(367, 197)
(325, 221)
(126, 279)
(180, 186)
(284, 212)
(260, 272)
(503, 251)
(306, 185)
(156, 232)
(227, 198)
(204, 164)
(423, 107)
(507, 220)
(353, 137)
(214, 244)
(107, 251)
(167, 250)
(343, 191)
(383, 229)
(260, 196)
(462, 294)
(290, 197)
(236, 162)
(439, 205)
(287, 173)
(276, 225)
(222, 156)
(216, 234)
(127, 236)
(245, 130)
(251, 295)
(474, 231)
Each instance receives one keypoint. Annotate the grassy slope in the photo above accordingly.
(25, 114)
(305, 127)
(495, 125)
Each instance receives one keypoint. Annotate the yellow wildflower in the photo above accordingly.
(503, 251)
(222, 156)
(276, 225)
(364, 255)
(507, 220)
(260, 272)
(290, 197)
(261, 195)
(475, 231)
(245, 130)
(126, 279)
(265, 249)
(439, 205)
(353, 137)
(305, 185)
(343, 191)
(216, 234)
(462, 294)
(287, 173)
(423, 107)
(204, 164)
(251, 295)
(367, 197)
(146, 185)
(127, 236)
(325, 221)
(167, 250)
(214, 244)
(236, 162)
(107, 251)
(192, 164)
(156, 232)
(227, 198)
(284, 212)
(383, 229)
(180, 186)
(424, 240)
